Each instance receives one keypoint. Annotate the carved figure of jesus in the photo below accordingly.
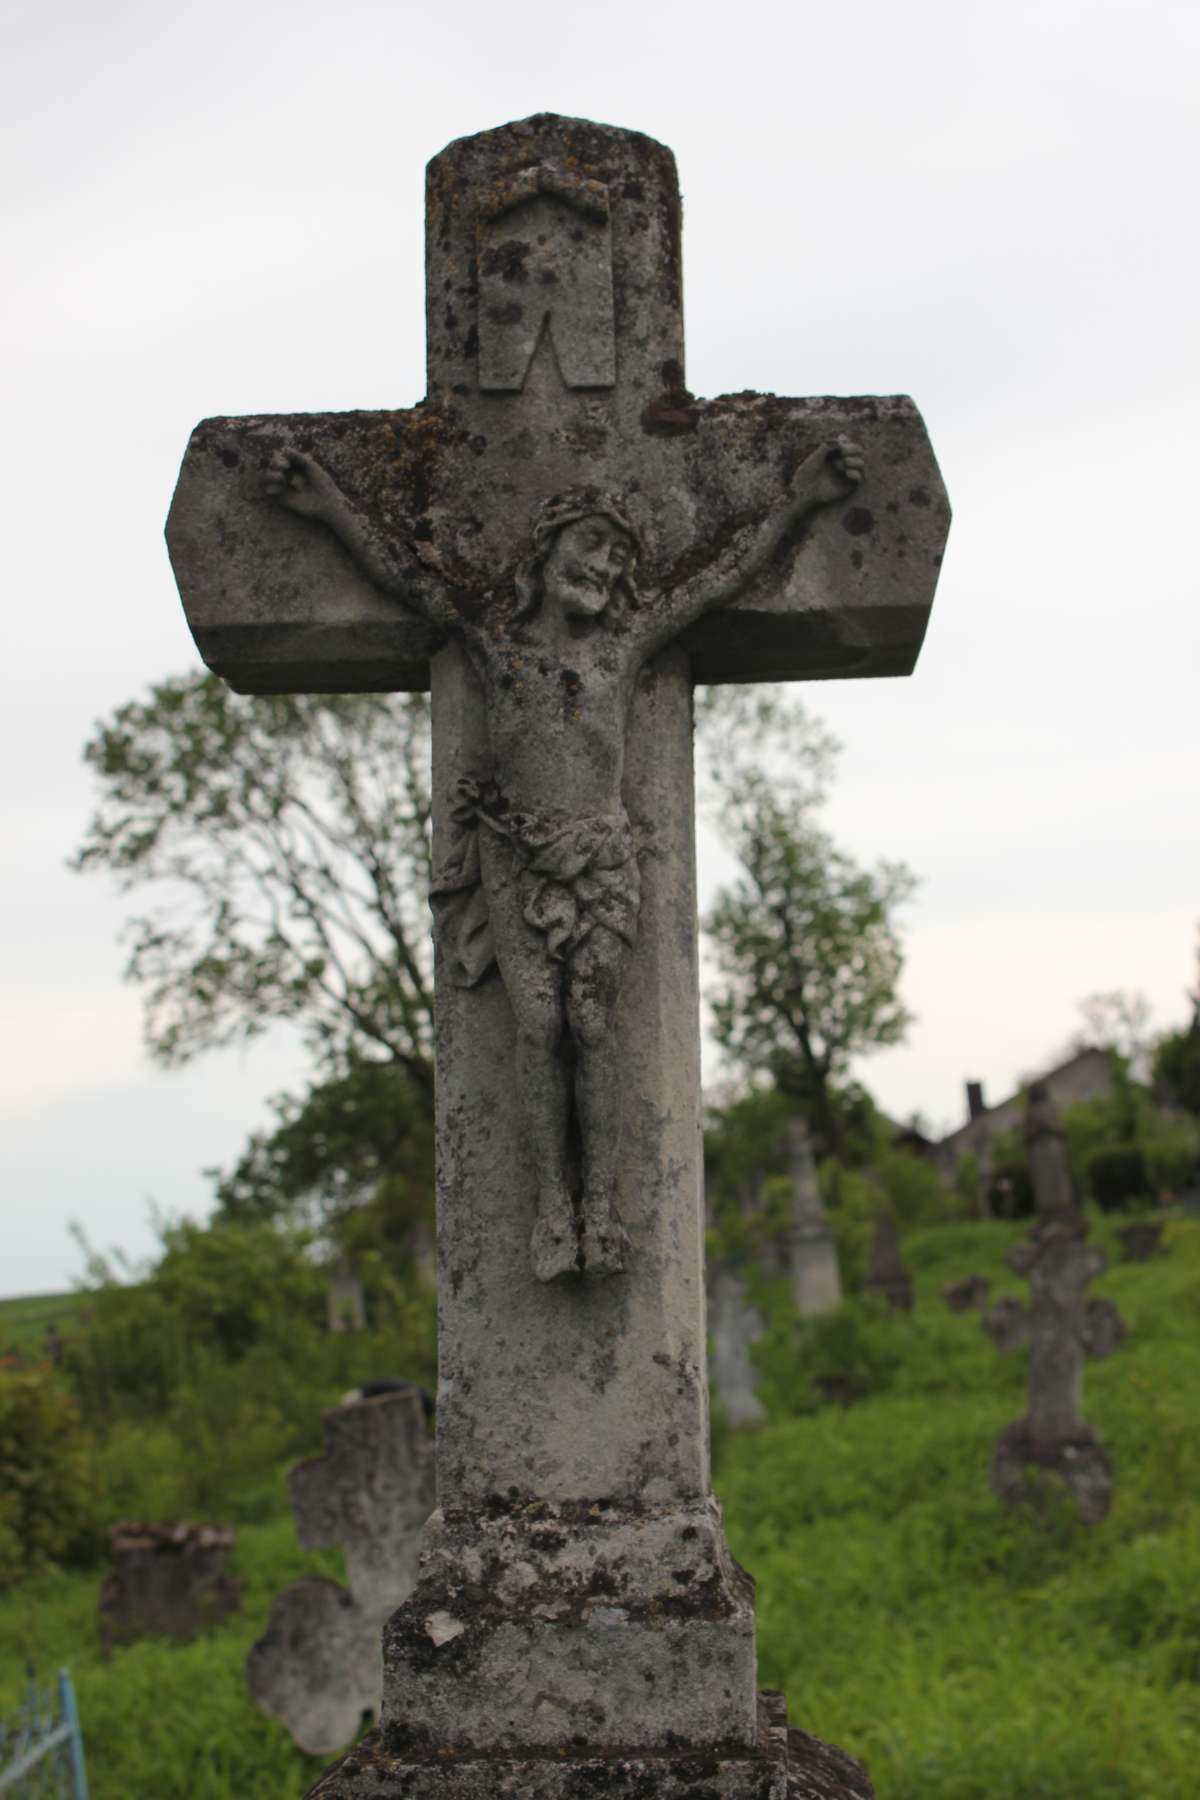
(543, 877)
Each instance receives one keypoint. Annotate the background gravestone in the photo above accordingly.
(734, 1323)
(1140, 1241)
(1062, 1328)
(971, 1291)
(887, 1276)
(812, 1253)
(167, 1581)
(347, 1305)
(318, 1667)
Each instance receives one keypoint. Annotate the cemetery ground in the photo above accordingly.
(963, 1652)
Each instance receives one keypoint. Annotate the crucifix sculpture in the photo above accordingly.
(561, 540)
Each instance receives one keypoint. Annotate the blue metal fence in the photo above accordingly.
(41, 1746)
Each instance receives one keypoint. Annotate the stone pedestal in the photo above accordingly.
(780, 1764)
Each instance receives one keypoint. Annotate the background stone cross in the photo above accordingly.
(317, 1667)
(1062, 1328)
(555, 367)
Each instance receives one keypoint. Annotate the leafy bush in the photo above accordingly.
(1117, 1177)
(914, 1188)
(45, 1490)
(841, 1356)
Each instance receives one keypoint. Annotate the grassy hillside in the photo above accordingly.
(23, 1320)
(963, 1652)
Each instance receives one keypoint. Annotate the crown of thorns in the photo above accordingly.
(580, 503)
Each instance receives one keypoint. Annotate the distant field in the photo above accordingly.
(23, 1320)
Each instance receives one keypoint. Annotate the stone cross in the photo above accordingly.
(1046, 1155)
(561, 540)
(812, 1252)
(887, 1277)
(734, 1323)
(316, 1668)
(1062, 1328)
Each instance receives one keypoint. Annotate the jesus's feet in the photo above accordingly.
(554, 1246)
(604, 1242)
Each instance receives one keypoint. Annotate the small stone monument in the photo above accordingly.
(167, 1581)
(562, 539)
(1046, 1156)
(812, 1252)
(1062, 1328)
(317, 1668)
(347, 1305)
(886, 1274)
(734, 1323)
(1141, 1241)
(971, 1292)
(1006, 1322)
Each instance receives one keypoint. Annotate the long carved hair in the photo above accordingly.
(567, 509)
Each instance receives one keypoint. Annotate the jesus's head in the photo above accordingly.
(583, 560)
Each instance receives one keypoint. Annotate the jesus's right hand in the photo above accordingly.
(298, 482)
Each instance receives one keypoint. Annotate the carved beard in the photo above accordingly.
(579, 594)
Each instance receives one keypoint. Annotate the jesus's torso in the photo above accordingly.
(557, 713)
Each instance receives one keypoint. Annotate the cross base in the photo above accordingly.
(599, 1627)
(784, 1764)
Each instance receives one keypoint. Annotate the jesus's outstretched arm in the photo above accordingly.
(830, 472)
(299, 483)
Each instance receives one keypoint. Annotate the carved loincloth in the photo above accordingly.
(575, 874)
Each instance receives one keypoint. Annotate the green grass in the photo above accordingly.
(23, 1320)
(965, 1653)
(162, 1719)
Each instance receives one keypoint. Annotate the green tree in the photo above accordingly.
(286, 842)
(805, 945)
(1176, 1059)
(352, 1159)
(45, 1498)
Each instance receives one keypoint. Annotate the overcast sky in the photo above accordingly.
(217, 209)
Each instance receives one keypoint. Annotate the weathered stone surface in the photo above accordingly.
(1006, 1322)
(783, 1764)
(1046, 1152)
(1104, 1330)
(734, 1323)
(548, 540)
(886, 1275)
(812, 1252)
(1062, 1329)
(971, 1291)
(590, 1625)
(272, 612)
(318, 1667)
(166, 1581)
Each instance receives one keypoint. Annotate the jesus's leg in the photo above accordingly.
(534, 987)
(593, 986)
